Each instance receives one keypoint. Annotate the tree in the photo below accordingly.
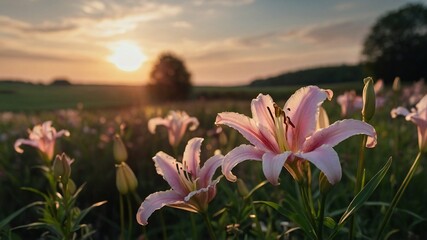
(60, 82)
(397, 45)
(169, 79)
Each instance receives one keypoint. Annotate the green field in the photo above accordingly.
(108, 110)
(27, 97)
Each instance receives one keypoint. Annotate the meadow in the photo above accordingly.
(94, 114)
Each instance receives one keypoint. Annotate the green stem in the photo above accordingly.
(257, 224)
(66, 196)
(360, 167)
(321, 216)
(399, 194)
(209, 225)
(122, 219)
(136, 197)
(193, 226)
(307, 205)
(359, 183)
(162, 220)
(130, 215)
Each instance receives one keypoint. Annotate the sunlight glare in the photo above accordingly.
(127, 56)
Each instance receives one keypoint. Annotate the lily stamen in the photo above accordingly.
(271, 115)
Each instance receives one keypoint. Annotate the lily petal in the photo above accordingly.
(166, 166)
(256, 134)
(339, 131)
(208, 170)
(154, 122)
(191, 158)
(21, 141)
(422, 104)
(154, 202)
(193, 122)
(272, 165)
(62, 133)
(238, 155)
(260, 113)
(303, 109)
(202, 190)
(326, 159)
(399, 111)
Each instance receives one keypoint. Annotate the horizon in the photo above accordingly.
(222, 42)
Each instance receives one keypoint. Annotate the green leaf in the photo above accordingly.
(329, 222)
(9, 218)
(365, 193)
(83, 213)
(46, 197)
(294, 215)
(260, 185)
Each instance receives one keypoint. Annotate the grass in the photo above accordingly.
(25, 97)
(111, 109)
(22, 97)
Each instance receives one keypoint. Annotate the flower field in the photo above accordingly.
(296, 189)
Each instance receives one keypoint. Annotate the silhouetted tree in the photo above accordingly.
(60, 82)
(397, 44)
(169, 79)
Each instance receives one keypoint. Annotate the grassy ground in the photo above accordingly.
(25, 97)
(22, 97)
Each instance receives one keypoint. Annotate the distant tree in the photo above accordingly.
(170, 79)
(60, 82)
(397, 45)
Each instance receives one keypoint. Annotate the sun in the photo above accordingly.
(126, 56)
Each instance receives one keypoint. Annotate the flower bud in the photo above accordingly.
(241, 187)
(61, 168)
(119, 149)
(125, 179)
(368, 109)
(396, 84)
(71, 186)
(324, 185)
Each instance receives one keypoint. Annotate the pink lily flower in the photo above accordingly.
(349, 102)
(176, 123)
(289, 137)
(192, 186)
(378, 86)
(418, 115)
(43, 138)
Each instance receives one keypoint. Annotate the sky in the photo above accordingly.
(223, 42)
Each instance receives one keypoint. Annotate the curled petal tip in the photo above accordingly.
(329, 94)
(230, 177)
(371, 142)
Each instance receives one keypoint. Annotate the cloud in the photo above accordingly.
(335, 33)
(260, 40)
(223, 2)
(19, 54)
(182, 24)
(345, 6)
(97, 19)
(10, 25)
(93, 7)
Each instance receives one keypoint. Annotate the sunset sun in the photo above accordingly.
(127, 56)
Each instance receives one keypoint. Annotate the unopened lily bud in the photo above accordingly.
(368, 109)
(396, 84)
(324, 185)
(62, 168)
(119, 149)
(125, 179)
(71, 186)
(241, 187)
